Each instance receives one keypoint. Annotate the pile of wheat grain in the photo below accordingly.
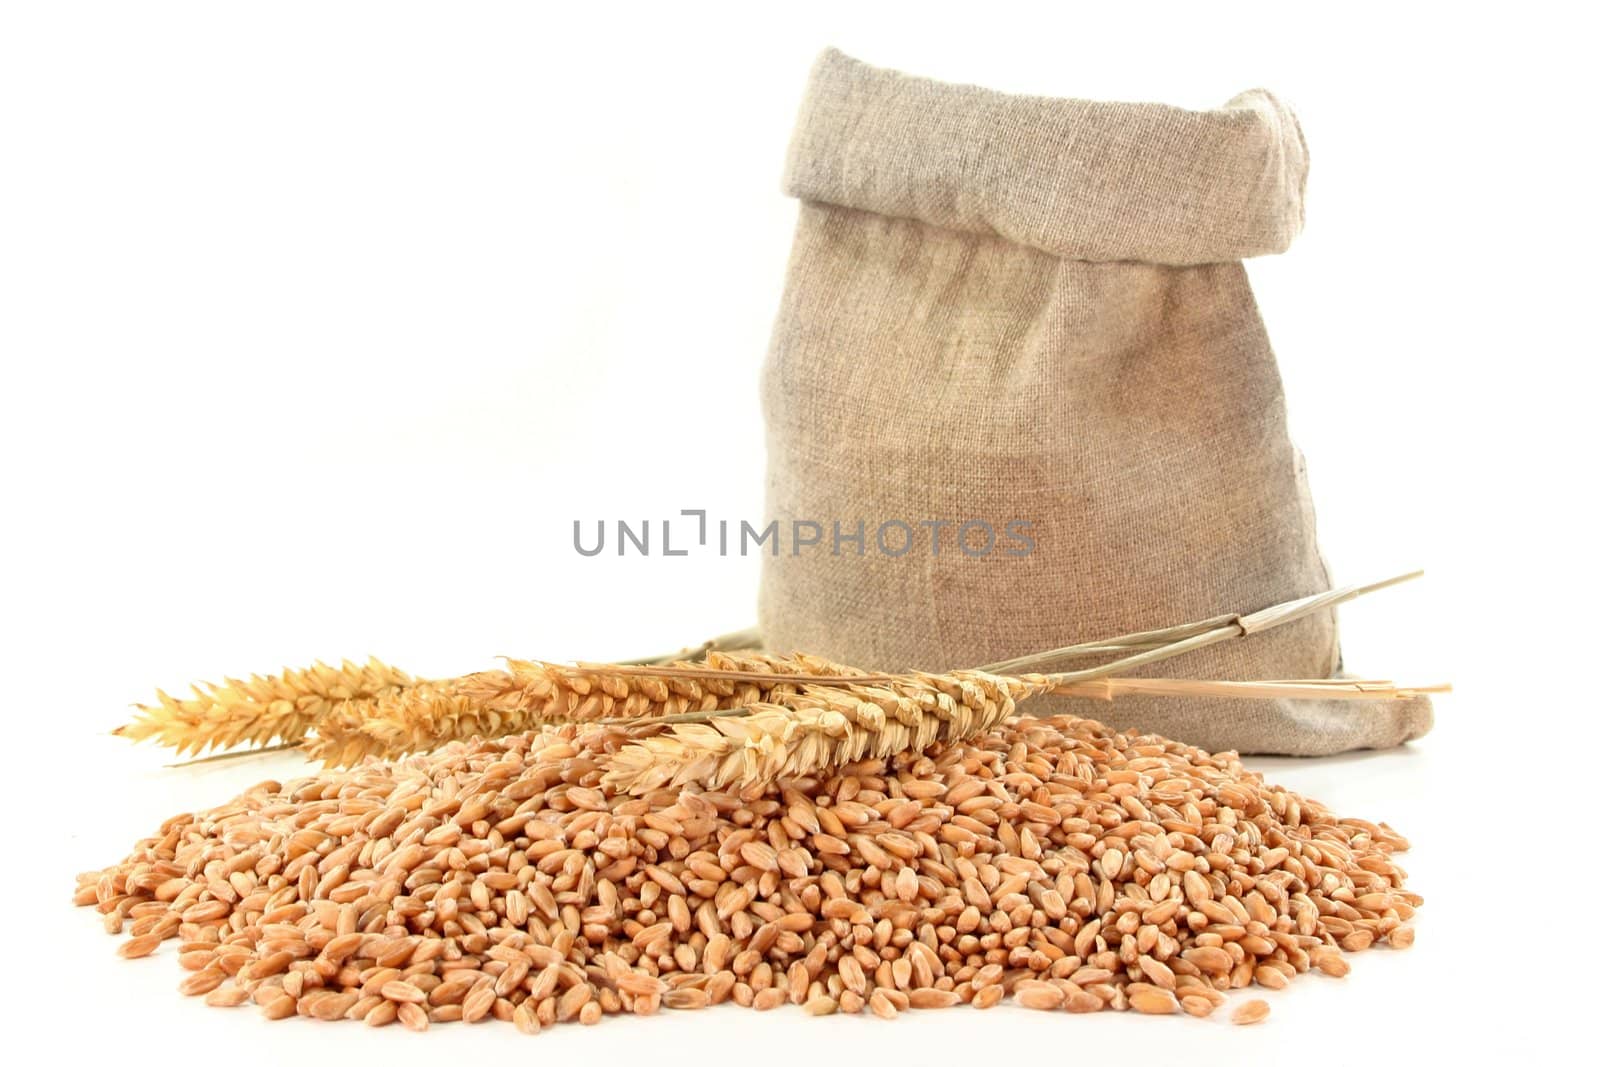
(1052, 860)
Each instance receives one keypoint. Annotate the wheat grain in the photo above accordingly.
(139, 946)
(1075, 868)
(1040, 996)
(1251, 1011)
(1153, 1002)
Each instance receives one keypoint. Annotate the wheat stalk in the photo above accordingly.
(1192, 635)
(261, 709)
(738, 640)
(1146, 647)
(1298, 689)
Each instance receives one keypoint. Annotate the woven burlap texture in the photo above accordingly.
(1008, 308)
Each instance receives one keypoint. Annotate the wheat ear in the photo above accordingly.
(262, 708)
(529, 694)
(816, 729)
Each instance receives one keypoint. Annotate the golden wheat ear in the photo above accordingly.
(529, 694)
(821, 728)
(262, 709)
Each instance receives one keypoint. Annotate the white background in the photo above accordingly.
(320, 323)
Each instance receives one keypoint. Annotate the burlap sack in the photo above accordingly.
(1017, 308)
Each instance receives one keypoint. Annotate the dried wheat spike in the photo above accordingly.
(818, 729)
(530, 694)
(261, 710)
(793, 663)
